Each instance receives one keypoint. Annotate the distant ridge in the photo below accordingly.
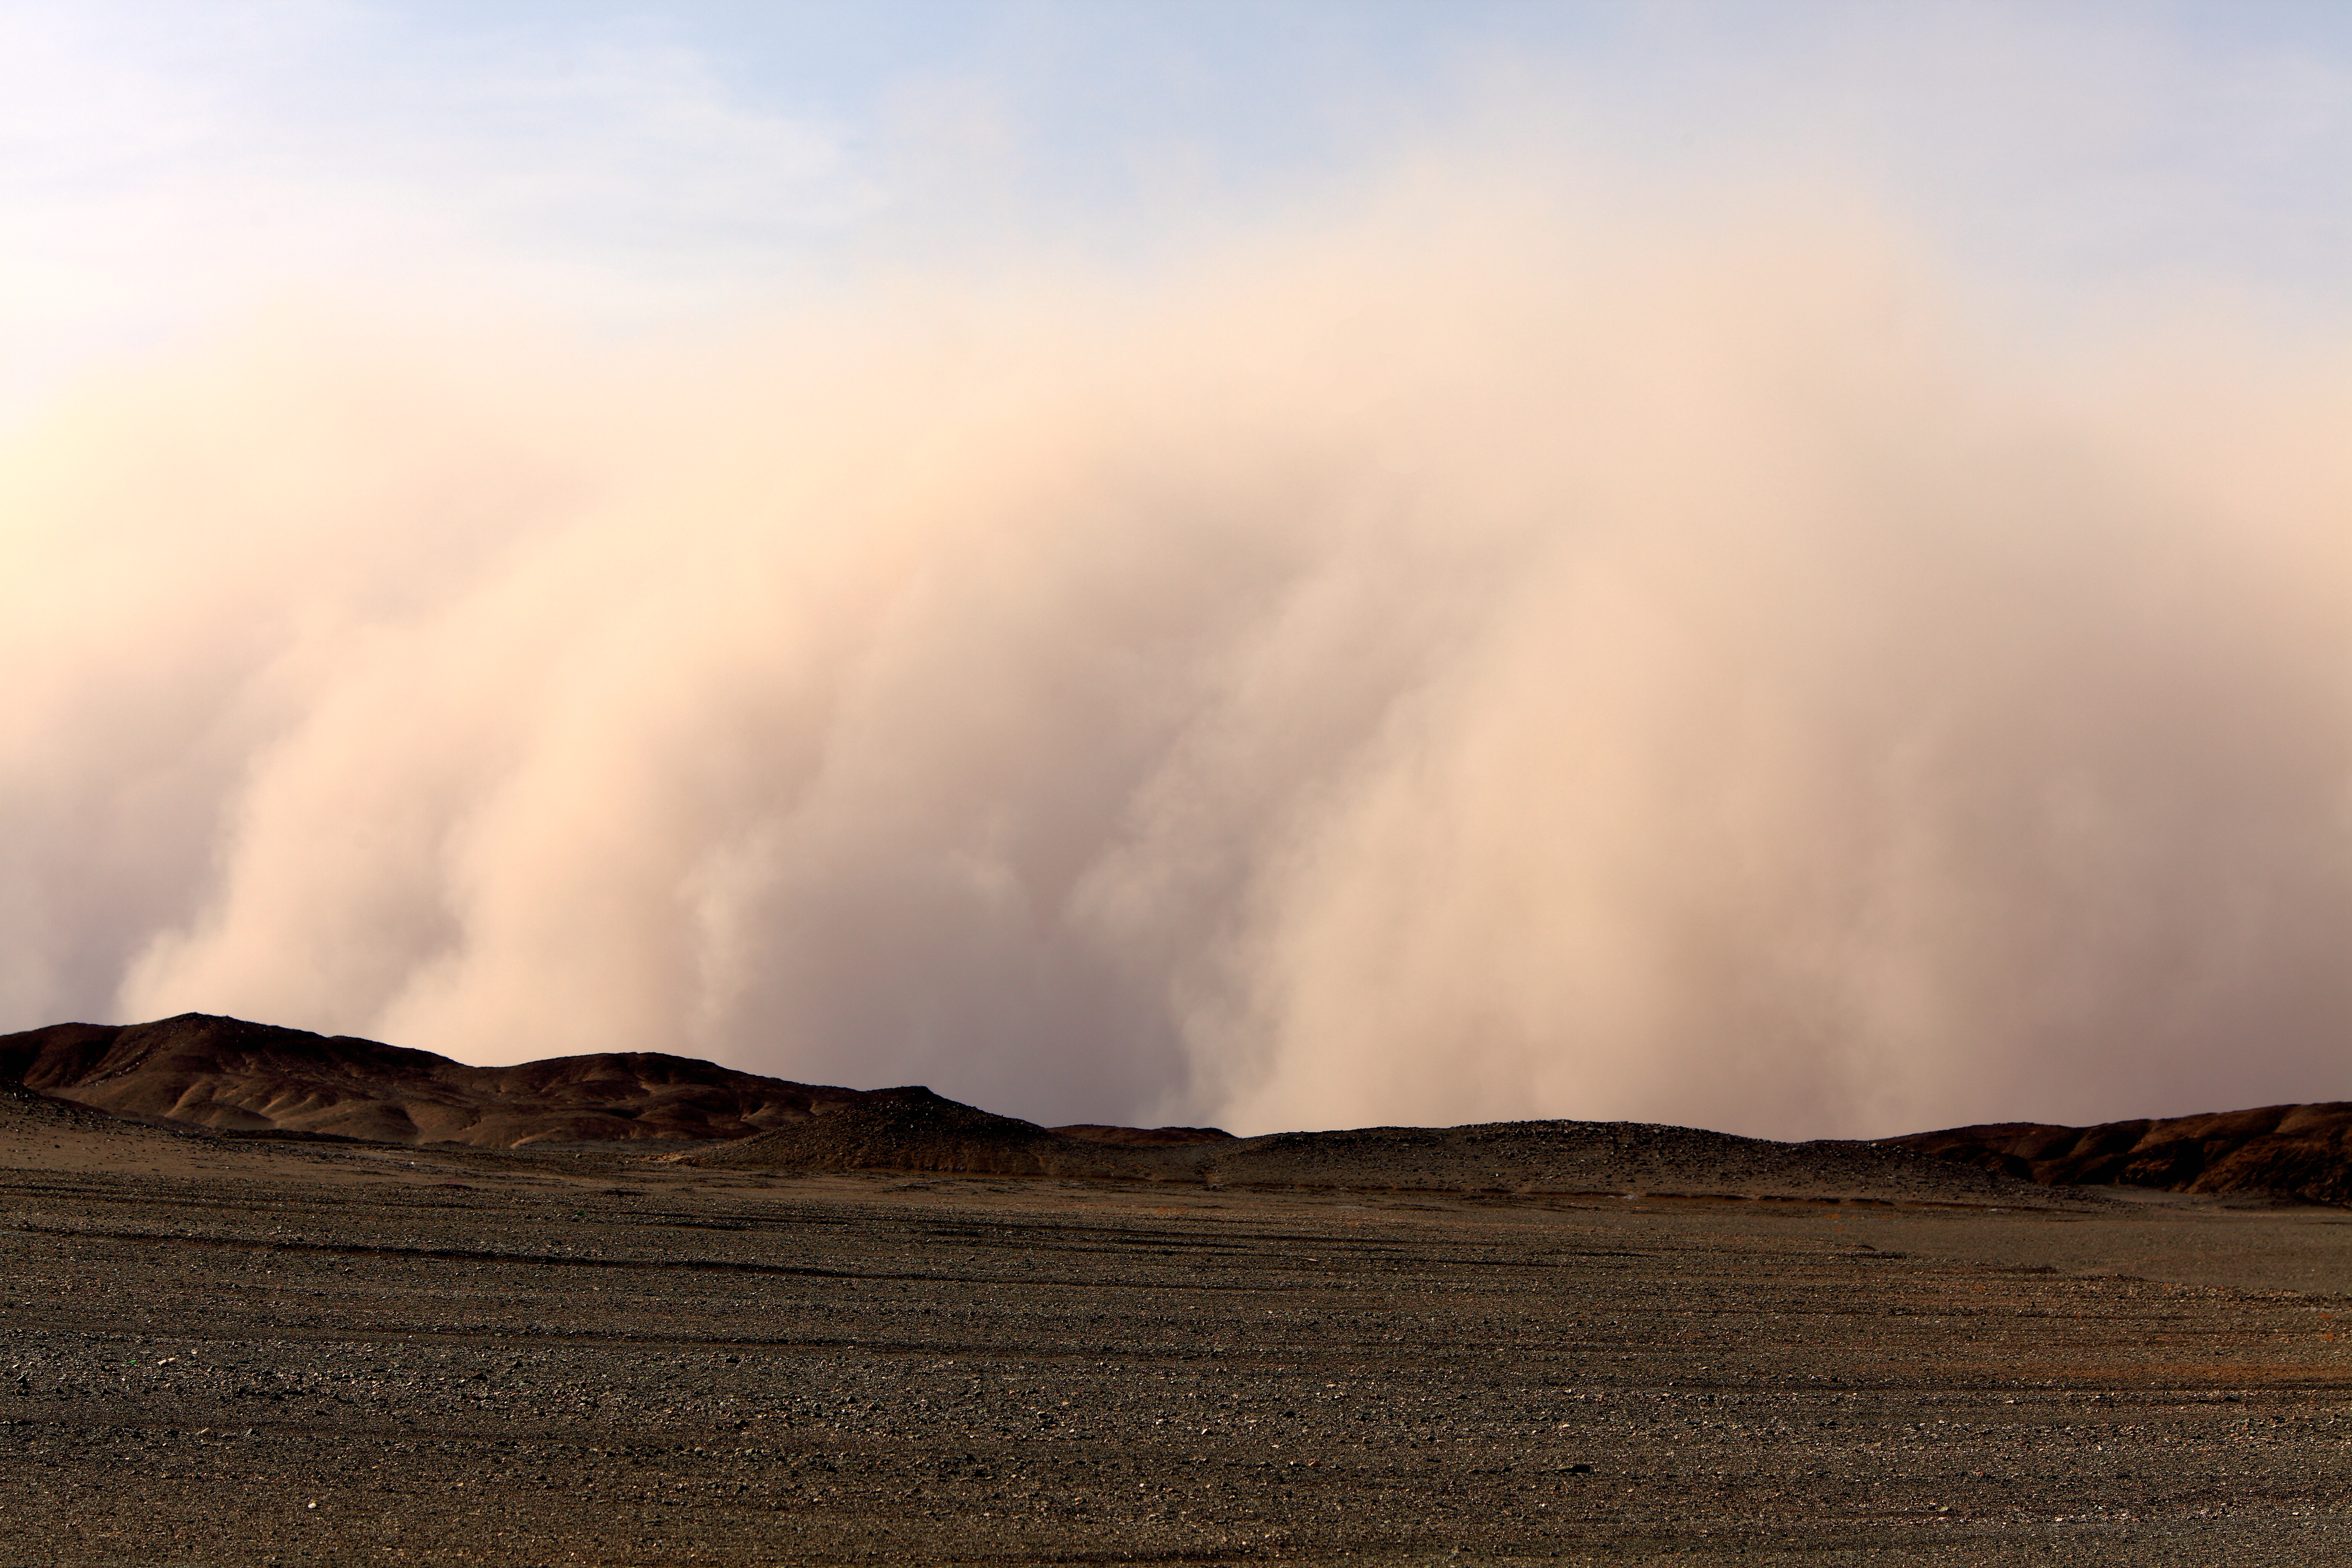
(237, 1079)
(231, 1076)
(2298, 1152)
(1096, 1132)
(915, 1130)
(247, 1080)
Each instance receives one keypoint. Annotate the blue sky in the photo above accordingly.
(168, 163)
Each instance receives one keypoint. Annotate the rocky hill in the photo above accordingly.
(916, 1130)
(231, 1076)
(2299, 1152)
(236, 1077)
(244, 1079)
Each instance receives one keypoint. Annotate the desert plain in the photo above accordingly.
(270, 1350)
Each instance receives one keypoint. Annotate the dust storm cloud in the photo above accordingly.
(1473, 660)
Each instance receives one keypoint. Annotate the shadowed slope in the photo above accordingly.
(2302, 1151)
(234, 1077)
(23, 1109)
(1146, 1137)
(238, 1077)
(1596, 1157)
(914, 1130)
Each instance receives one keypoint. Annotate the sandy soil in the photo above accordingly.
(225, 1352)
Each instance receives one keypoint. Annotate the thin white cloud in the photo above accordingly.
(162, 165)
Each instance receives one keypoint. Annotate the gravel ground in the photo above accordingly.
(251, 1354)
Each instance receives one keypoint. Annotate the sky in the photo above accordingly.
(1781, 568)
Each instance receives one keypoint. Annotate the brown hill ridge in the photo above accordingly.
(917, 1130)
(914, 1129)
(2298, 1152)
(234, 1077)
(231, 1076)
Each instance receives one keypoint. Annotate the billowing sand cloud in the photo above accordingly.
(1473, 659)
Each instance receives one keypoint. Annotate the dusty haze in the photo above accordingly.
(1470, 657)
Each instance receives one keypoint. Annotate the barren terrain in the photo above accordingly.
(230, 1075)
(2290, 1150)
(224, 1351)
